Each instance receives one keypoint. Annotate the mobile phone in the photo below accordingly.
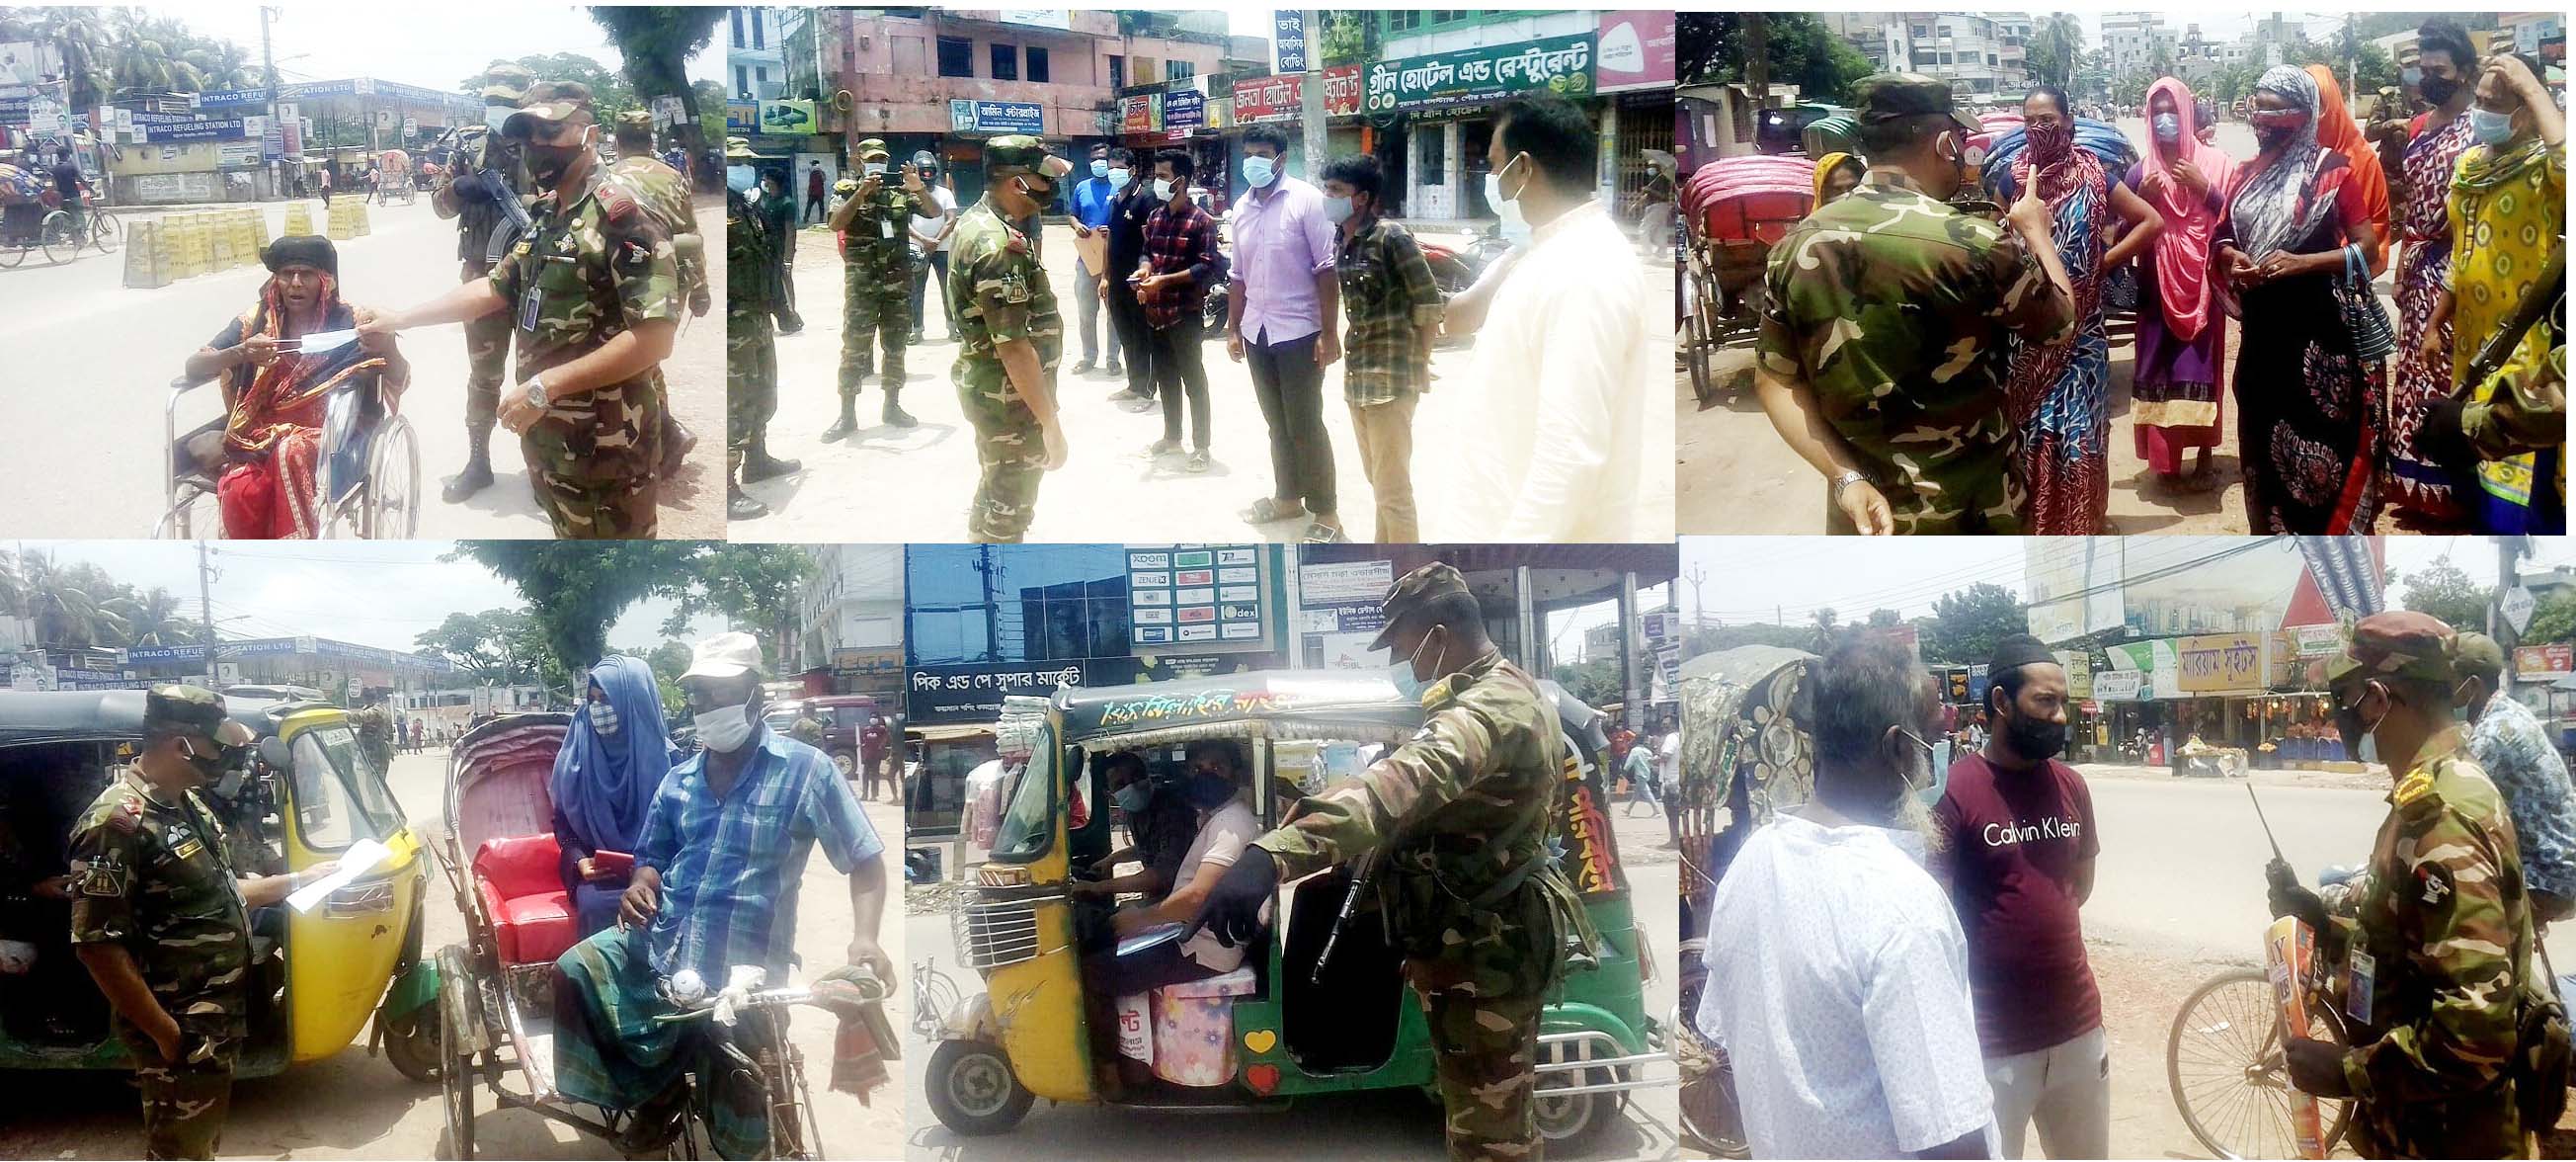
(616, 863)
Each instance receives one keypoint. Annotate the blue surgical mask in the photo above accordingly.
(1100, 167)
(1516, 229)
(1131, 798)
(1259, 171)
(1401, 673)
(740, 178)
(1162, 189)
(2411, 75)
(1337, 210)
(2168, 127)
(1118, 179)
(2493, 129)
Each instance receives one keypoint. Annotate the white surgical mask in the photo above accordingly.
(725, 728)
(495, 115)
(1162, 189)
(2168, 127)
(1118, 178)
(1259, 171)
(1099, 169)
(1516, 229)
(740, 178)
(875, 168)
(603, 718)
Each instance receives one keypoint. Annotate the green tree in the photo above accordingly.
(1800, 49)
(1967, 623)
(609, 93)
(1597, 682)
(754, 585)
(1827, 625)
(502, 646)
(2446, 592)
(68, 603)
(2055, 50)
(655, 43)
(152, 619)
(576, 589)
(1345, 36)
(1716, 639)
(1885, 619)
(2553, 619)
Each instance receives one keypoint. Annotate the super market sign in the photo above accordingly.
(1559, 64)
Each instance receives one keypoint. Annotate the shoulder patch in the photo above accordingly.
(2414, 786)
(128, 815)
(616, 203)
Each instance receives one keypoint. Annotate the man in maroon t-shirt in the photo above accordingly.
(2020, 856)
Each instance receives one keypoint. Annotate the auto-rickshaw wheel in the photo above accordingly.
(1570, 1123)
(972, 1088)
(413, 1044)
(455, 1089)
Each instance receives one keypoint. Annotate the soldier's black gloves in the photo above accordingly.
(2316, 1067)
(2288, 897)
(2440, 438)
(1233, 909)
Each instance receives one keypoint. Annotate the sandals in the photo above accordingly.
(1268, 509)
(1199, 461)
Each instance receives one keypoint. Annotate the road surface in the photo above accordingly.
(92, 360)
(355, 1106)
(898, 484)
(1394, 1125)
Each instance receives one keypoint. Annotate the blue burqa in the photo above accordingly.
(603, 784)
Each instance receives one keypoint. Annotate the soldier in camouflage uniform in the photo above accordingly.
(160, 916)
(751, 351)
(461, 195)
(1009, 337)
(2435, 944)
(1885, 324)
(876, 280)
(664, 193)
(593, 297)
(1455, 824)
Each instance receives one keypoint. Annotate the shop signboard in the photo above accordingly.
(787, 118)
(965, 116)
(1288, 33)
(2549, 659)
(1345, 583)
(2219, 663)
(1475, 76)
(2316, 641)
(1196, 595)
(974, 692)
(168, 133)
(2119, 685)
(2078, 665)
(742, 117)
(1282, 98)
(1141, 113)
(1184, 109)
(1636, 50)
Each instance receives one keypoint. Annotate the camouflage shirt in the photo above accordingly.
(1002, 296)
(878, 241)
(153, 874)
(1893, 309)
(589, 273)
(749, 251)
(665, 195)
(1459, 815)
(2435, 950)
(479, 149)
(1388, 290)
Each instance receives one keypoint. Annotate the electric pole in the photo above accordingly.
(2499, 627)
(268, 70)
(206, 609)
(1311, 95)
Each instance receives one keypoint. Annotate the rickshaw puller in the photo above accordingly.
(1457, 820)
(732, 828)
(162, 921)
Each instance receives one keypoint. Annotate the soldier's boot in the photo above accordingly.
(740, 505)
(849, 421)
(478, 470)
(677, 442)
(894, 413)
(759, 465)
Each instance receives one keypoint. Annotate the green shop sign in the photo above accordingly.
(1470, 76)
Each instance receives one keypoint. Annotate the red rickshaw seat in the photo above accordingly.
(521, 887)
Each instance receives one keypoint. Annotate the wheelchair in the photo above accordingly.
(367, 473)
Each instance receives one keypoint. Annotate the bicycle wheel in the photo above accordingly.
(61, 242)
(2225, 1064)
(105, 232)
(12, 253)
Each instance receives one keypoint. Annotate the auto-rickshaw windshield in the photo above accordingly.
(339, 797)
(1028, 825)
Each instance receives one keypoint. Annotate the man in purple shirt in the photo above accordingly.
(1283, 310)
(2021, 849)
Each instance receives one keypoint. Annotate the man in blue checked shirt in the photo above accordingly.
(716, 877)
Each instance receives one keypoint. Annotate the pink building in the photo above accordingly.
(903, 72)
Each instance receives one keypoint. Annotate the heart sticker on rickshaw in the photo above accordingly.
(1262, 1078)
(1260, 1040)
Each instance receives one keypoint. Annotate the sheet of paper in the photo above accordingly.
(361, 858)
(321, 341)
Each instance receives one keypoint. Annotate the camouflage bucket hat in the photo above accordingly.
(1411, 592)
(739, 149)
(553, 101)
(1888, 96)
(2397, 644)
(2478, 654)
(194, 709)
(871, 147)
(505, 81)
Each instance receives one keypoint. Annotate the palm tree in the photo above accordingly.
(2055, 48)
(654, 44)
(65, 603)
(153, 619)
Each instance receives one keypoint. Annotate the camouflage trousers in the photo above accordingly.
(184, 1104)
(1013, 454)
(487, 352)
(751, 381)
(874, 313)
(1487, 1048)
(598, 509)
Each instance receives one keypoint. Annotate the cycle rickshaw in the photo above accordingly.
(1735, 209)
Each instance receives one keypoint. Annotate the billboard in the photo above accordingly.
(1283, 98)
(1635, 50)
(1476, 76)
(1207, 596)
(2074, 586)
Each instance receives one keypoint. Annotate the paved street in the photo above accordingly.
(97, 359)
(892, 484)
(1389, 1125)
(354, 1106)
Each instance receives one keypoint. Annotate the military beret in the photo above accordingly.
(1887, 96)
(192, 708)
(1413, 591)
(2400, 643)
(1017, 153)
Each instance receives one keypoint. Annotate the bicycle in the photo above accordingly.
(2226, 1060)
(99, 227)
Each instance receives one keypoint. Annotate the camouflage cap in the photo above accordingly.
(870, 147)
(1018, 153)
(1887, 96)
(505, 81)
(548, 101)
(194, 709)
(2400, 643)
(2477, 655)
(636, 119)
(739, 149)
(1411, 592)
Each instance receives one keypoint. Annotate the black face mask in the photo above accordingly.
(2438, 90)
(209, 763)
(2035, 739)
(2351, 727)
(547, 163)
(1209, 792)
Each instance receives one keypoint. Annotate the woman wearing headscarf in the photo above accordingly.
(2508, 212)
(275, 392)
(2177, 396)
(2307, 405)
(612, 762)
(2060, 393)
(2336, 130)
(2445, 68)
(1836, 174)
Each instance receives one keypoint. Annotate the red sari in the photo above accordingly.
(273, 435)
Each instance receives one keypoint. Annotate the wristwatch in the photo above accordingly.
(1848, 477)
(537, 392)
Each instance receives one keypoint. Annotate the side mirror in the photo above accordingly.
(272, 750)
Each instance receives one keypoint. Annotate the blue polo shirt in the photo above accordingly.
(1091, 198)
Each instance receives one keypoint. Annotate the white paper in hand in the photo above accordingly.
(321, 341)
(361, 858)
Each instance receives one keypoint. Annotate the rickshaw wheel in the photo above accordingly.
(1695, 350)
(60, 242)
(456, 1089)
(972, 1089)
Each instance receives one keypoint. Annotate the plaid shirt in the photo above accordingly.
(1392, 302)
(1174, 243)
(730, 867)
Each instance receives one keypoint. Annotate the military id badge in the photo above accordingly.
(2361, 978)
(529, 301)
(885, 227)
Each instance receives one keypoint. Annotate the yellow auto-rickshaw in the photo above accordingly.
(304, 796)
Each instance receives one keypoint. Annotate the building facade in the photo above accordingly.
(850, 621)
(1979, 54)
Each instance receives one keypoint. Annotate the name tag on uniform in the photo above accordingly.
(528, 302)
(187, 850)
(2364, 976)
(885, 228)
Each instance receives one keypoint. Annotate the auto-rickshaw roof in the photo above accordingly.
(1280, 704)
(30, 716)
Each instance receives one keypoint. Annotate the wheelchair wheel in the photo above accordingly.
(61, 242)
(391, 508)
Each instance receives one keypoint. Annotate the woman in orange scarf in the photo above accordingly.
(276, 392)
(2336, 130)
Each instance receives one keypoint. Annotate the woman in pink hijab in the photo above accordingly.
(2177, 397)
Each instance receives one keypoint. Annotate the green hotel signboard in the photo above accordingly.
(1471, 76)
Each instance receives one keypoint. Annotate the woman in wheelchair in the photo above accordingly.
(276, 390)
